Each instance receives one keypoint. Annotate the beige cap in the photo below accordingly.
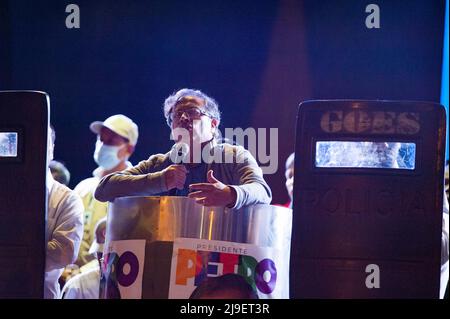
(119, 124)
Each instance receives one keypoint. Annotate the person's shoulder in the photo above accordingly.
(64, 193)
(77, 286)
(86, 280)
(86, 185)
(238, 152)
(73, 283)
(61, 188)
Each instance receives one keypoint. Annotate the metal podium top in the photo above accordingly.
(166, 218)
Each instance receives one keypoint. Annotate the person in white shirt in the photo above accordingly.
(64, 228)
(86, 285)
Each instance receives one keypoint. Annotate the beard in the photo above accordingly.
(192, 133)
(195, 135)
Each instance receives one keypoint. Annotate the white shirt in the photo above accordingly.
(63, 234)
(93, 212)
(83, 286)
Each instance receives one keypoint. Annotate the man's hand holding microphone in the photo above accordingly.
(212, 193)
(175, 176)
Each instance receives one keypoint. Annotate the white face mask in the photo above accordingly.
(106, 155)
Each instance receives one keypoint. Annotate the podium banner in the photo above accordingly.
(194, 260)
(124, 261)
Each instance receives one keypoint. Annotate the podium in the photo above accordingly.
(164, 247)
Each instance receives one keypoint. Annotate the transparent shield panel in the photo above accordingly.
(8, 144)
(349, 154)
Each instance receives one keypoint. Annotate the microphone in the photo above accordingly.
(178, 155)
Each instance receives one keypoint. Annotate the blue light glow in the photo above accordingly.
(444, 87)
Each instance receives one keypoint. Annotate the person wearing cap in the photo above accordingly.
(64, 227)
(193, 118)
(86, 285)
(116, 140)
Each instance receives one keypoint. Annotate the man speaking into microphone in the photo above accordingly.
(214, 174)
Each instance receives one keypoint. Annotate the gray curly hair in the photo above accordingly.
(211, 106)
